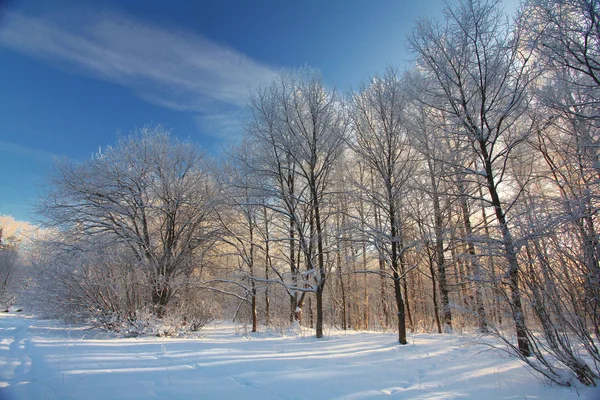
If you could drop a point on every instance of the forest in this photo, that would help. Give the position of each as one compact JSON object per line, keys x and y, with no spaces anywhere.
{"x":458,"y":196}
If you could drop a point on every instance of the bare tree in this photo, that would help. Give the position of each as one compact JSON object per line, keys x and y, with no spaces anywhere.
{"x":566,"y":37}
{"x":313,"y":117}
{"x":481,"y":76}
{"x":240,"y":222}
{"x":430,"y":146}
{"x":300,"y":127}
{"x":380,"y":140}
{"x":150,"y":193}
{"x":277,"y":178}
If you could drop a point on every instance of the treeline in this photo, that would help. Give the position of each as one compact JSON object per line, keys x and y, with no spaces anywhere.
{"x":460,"y":195}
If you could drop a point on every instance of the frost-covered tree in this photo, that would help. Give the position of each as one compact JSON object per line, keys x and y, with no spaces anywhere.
{"x":277,"y":177}
{"x":302,"y":128}
{"x":480,"y":79}
{"x":241,"y":225}
{"x":380,"y":140}
{"x":150,"y":193}
{"x":314,"y":120}
{"x":565,"y":36}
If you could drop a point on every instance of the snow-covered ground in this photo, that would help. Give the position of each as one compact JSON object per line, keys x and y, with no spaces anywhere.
{"x":42,"y":359}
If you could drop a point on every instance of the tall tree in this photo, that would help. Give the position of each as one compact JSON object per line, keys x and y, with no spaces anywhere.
{"x":426,"y":141}
{"x":277,"y":169}
{"x":240,"y":223}
{"x":302,"y":125}
{"x":313,"y":117}
{"x":380,"y":141}
{"x":481,"y":77}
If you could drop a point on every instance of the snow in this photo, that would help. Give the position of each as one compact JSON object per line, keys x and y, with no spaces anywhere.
{"x":42,"y":359}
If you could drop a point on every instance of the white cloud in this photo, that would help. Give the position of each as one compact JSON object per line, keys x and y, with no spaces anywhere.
{"x":169,"y":67}
{"x":227,"y":125}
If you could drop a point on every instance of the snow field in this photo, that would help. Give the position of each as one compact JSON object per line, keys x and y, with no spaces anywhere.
{"x":41,"y":359}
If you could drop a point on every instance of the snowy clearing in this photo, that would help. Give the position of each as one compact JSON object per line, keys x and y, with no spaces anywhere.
{"x":41,"y":359}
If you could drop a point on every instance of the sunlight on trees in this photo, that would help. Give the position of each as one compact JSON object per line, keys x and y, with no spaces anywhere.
{"x":461,"y":195}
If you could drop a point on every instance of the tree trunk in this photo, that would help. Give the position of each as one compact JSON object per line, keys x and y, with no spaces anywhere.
{"x":439,"y":249}
{"x":294,"y":315}
{"x":434,"y":296}
{"x":254,"y":310}
{"x":475,"y":264}
{"x":495,"y":285}
{"x":341,"y":280}
{"x":511,"y":258}
{"x":365,"y":303}
{"x":396,"y":274}
{"x":406,"y":299}
{"x":382,"y":284}
{"x":251,"y":226}
{"x":161,"y":293}
{"x":400,"y":308}
{"x":267,"y":268}
{"x":321,"y":273}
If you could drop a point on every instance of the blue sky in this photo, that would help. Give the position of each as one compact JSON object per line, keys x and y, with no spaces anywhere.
{"x":73,"y":74}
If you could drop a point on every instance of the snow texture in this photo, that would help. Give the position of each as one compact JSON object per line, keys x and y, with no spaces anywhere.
{"x":41,"y":359}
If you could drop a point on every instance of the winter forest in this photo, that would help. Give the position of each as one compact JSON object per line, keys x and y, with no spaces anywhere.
{"x":458,"y":197}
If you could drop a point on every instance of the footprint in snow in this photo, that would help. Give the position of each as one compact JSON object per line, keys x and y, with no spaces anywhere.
{"x":243,"y":381}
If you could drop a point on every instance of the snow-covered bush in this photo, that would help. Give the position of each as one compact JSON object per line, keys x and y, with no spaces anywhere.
{"x":104,"y":286}
{"x":177,"y":322}
{"x":196,"y":314}
{"x":79,"y":281}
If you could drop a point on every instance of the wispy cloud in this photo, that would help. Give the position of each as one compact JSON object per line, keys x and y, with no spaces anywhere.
{"x":26,"y":153}
{"x":172,"y":68}
{"x":227,"y":125}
